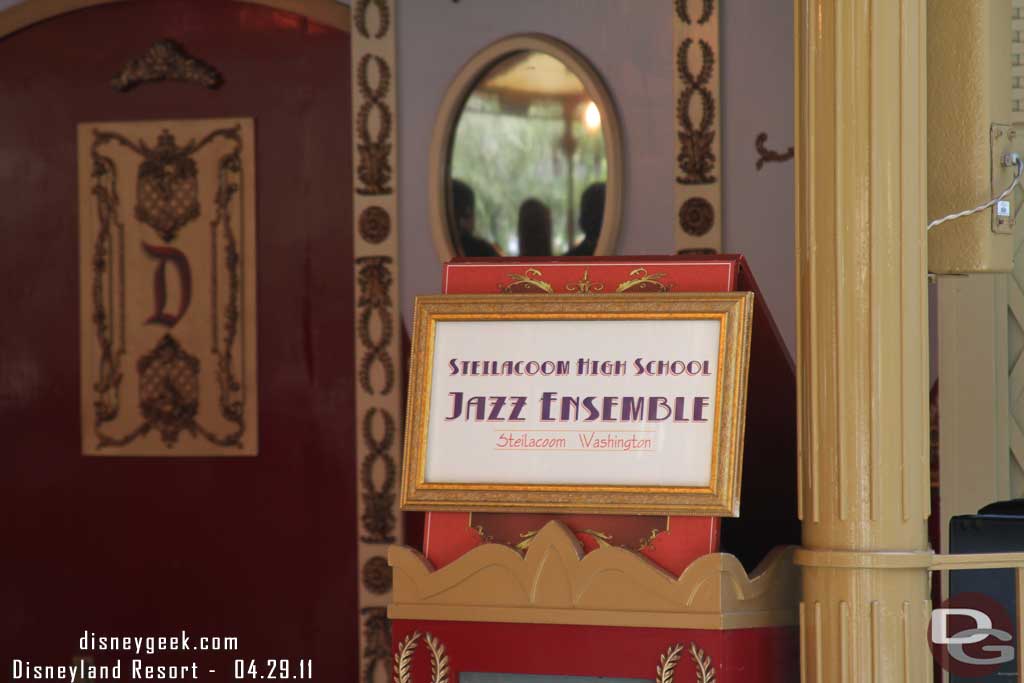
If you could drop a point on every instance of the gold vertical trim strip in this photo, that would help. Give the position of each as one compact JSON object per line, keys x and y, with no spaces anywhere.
{"x":923,"y":648}
{"x":876,"y":641}
{"x":825,"y":277}
{"x":907,"y":644}
{"x":697,"y":145}
{"x":837,"y":273}
{"x":799,"y":164}
{"x":800,"y":482}
{"x":377,"y":328}
{"x":844,"y":641}
{"x":824,"y":314}
{"x":803,"y":642}
{"x":914,"y":258}
{"x":918,"y":69}
{"x":902,"y":446}
{"x":818,"y":655}
{"x":881,"y":246}
{"x":901,"y":258}
{"x":884,"y":247}
{"x":808,"y":350}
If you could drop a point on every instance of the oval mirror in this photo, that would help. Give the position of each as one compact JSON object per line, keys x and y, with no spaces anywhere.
{"x":527,"y":156}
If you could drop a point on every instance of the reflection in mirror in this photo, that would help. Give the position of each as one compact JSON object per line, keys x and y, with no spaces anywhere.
{"x":527,"y":164}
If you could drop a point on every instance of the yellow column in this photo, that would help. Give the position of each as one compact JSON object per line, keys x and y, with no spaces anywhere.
{"x":862,"y":339}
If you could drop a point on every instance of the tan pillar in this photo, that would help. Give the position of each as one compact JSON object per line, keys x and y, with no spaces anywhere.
{"x":862,"y":339}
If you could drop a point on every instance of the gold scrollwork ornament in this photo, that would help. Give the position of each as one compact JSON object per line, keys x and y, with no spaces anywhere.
{"x":526,"y":282}
{"x":527,"y":537}
{"x":666,"y":670}
{"x":765,"y":155}
{"x":602,"y":539}
{"x":641,"y":278}
{"x":648,"y":541}
{"x":585,"y":285}
{"x":439,"y":669}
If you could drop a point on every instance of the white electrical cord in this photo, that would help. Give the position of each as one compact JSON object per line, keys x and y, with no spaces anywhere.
{"x":1010,"y":159}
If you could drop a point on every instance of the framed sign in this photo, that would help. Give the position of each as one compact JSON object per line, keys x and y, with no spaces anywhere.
{"x":626,"y":404}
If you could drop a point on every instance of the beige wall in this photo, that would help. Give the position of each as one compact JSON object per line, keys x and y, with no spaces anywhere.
{"x":630,"y":44}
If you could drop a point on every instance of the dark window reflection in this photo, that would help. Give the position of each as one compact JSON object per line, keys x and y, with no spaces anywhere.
{"x":528,"y":164}
{"x":534,"y":230}
{"x":464,"y":217}
{"x":591,"y":217}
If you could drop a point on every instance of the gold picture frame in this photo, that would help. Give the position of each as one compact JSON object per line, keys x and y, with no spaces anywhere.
{"x":719,"y":496}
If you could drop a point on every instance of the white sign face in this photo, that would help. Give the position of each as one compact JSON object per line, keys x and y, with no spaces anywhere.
{"x":613,"y":404}
{"x":594,"y":402}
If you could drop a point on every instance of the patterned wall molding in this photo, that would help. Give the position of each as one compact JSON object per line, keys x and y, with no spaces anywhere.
{"x":698,"y":170}
{"x":377,"y":323}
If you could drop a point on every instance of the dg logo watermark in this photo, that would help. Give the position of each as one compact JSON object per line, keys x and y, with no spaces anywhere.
{"x":971,"y":636}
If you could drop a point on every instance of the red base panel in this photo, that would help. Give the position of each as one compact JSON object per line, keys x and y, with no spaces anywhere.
{"x":756,"y":655}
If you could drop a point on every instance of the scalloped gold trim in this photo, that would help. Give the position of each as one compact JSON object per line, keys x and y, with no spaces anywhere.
{"x":553,"y":582}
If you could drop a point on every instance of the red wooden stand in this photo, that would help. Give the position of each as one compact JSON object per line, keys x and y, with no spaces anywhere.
{"x":768,"y":497}
{"x":586,"y":639}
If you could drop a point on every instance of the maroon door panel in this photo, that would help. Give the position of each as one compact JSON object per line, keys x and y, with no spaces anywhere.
{"x":261,"y":548}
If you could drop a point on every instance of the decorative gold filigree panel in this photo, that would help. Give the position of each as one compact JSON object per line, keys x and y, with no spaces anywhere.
{"x":167,"y":246}
{"x":377,"y":325}
{"x":698,"y":173}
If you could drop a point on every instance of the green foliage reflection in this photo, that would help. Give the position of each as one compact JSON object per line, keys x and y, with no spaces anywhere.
{"x":507,"y":157}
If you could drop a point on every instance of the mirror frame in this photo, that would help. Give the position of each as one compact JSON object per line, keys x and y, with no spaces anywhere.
{"x":451,"y":108}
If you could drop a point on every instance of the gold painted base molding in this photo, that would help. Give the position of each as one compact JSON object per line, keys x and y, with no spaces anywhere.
{"x":554,"y":583}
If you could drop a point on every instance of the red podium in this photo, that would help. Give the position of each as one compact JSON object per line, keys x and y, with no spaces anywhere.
{"x":620,"y":596}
